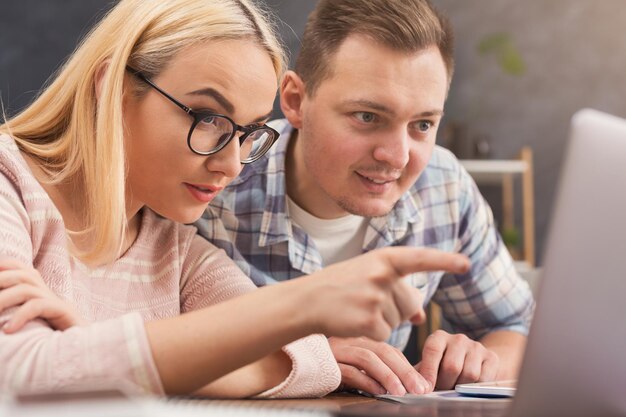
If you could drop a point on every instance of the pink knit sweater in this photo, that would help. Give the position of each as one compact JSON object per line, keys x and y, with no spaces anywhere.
{"x":169,"y":270}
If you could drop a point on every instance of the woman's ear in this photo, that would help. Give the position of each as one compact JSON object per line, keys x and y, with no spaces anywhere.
{"x":292,"y":94}
{"x":99,"y":78}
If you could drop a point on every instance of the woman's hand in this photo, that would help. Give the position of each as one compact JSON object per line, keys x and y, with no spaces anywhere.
{"x":365,"y":296}
{"x":22,"y":287}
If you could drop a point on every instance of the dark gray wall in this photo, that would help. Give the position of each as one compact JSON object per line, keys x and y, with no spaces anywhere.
{"x":35,"y":37}
{"x":572,"y":51}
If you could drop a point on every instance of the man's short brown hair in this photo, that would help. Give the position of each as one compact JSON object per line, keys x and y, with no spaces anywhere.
{"x":403,"y":25}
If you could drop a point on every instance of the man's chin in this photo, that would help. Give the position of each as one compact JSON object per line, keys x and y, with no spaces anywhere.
{"x":367,"y":208}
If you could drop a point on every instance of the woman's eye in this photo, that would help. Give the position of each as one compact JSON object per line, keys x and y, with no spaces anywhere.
{"x":365,"y":117}
{"x":209,"y":120}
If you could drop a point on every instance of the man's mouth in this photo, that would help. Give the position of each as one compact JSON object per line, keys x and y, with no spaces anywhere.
{"x":379,"y":179}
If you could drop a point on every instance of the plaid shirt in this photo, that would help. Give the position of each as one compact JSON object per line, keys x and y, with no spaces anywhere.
{"x":442,"y":210}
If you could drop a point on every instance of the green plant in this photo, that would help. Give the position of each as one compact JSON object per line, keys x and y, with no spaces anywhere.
{"x":511,"y":237}
{"x":508,"y":57}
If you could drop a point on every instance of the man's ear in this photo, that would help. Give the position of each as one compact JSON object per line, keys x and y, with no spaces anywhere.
{"x":292,"y":93}
{"x":99,"y":78}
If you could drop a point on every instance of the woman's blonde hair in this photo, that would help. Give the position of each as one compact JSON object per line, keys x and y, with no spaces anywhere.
{"x":75,"y":137}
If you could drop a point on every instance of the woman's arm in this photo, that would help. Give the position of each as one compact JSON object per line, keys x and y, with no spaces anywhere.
{"x":363,"y":296}
{"x":303,"y":368}
{"x":251,"y":379}
{"x":360,"y":297}
{"x":203,"y":345}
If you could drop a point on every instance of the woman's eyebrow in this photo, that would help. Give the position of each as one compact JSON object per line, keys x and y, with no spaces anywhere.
{"x":262,"y":118}
{"x":225,"y":103}
{"x":217,"y":96}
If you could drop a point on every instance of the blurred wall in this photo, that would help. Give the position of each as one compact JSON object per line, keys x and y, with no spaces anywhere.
{"x":574,"y":56}
{"x":571,"y":56}
{"x":35,"y":38}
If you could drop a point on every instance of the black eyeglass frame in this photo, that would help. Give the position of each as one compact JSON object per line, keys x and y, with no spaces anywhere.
{"x":199,"y":116}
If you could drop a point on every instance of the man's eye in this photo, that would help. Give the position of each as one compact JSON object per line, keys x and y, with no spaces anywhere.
{"x":423,"y":126}
{"x":365,"y":117}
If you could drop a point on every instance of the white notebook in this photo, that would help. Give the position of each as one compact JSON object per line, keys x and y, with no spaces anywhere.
{"x":113,"y":403}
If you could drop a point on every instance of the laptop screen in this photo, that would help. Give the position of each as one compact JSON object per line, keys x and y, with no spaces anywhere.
{"x":574,"y":363}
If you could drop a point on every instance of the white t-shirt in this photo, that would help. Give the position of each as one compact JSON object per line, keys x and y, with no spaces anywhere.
{"x":336,"y":239}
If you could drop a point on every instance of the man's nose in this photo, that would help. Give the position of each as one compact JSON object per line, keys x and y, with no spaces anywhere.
{"x":393,"y":149}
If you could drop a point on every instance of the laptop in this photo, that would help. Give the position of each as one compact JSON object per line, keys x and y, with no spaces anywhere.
{"x":575,"y":360}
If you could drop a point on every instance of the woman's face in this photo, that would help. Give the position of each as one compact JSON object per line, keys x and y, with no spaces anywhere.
{"x":231,"y":77}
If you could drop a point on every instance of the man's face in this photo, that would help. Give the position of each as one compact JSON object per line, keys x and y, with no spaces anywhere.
{"x":368,"y":131}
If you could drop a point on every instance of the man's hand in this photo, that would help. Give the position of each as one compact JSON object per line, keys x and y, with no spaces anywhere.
{"x":376,"y":367}
{"x":450,"y":359}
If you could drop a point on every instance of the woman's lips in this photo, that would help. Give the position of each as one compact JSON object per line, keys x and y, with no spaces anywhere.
{"x":203,"y":193}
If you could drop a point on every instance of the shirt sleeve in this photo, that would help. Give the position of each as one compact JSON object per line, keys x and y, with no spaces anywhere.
{"x":491,"y":296}
{"x":113,"y":353}
{"x":210,"y":277}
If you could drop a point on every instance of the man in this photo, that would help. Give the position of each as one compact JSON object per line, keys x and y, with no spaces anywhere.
{"x":357,"y":168}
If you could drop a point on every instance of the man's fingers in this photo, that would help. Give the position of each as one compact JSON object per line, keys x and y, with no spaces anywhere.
{"x":490,"y":366}
{"x":472,"y":368}
{"x":395,"y":360}
{"x":374,"y":367}
{"x":407,"y":260}
{"x":412,"y":381}
{"x":432,"y":354}
{"x":353,"y":378}
{"x":451,"y":366}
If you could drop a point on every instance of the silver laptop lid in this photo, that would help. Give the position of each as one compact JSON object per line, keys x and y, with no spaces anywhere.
{"x":575,"y":361}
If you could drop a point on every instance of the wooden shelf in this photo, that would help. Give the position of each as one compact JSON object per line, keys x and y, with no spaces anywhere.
{"x":493,"y":171}
{"x":502,"y":172}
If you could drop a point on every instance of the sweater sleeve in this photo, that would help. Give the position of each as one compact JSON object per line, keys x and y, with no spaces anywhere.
{"x":210,"y":277}
{"x":110,"y":353}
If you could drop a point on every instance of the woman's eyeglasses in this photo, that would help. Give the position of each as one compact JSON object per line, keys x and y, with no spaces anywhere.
{"x":211,"y":132}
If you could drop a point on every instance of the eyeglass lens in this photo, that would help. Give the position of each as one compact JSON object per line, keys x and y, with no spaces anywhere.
{"x":213,"y":131}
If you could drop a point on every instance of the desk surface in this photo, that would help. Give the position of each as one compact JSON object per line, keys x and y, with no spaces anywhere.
{"x":342,"y":405}
{"x":350,"y":405}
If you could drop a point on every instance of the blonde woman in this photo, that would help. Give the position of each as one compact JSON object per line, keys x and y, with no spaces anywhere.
{"x":100,"y":280}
